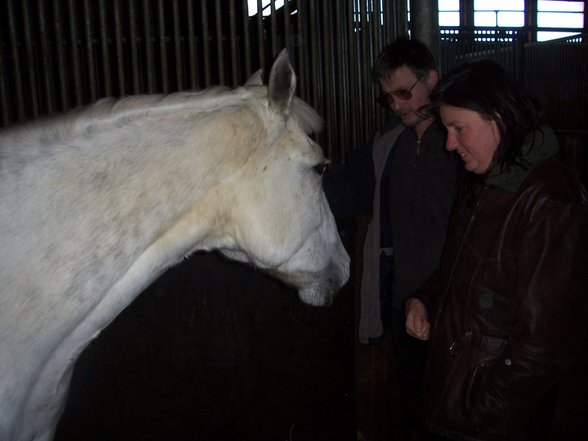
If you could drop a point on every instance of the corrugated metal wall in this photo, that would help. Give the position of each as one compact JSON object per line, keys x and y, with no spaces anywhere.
{"x":58,"y":54}
{"x":554,"y":71}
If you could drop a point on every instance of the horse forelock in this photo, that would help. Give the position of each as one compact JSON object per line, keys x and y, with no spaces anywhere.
{"x":308,"y":119}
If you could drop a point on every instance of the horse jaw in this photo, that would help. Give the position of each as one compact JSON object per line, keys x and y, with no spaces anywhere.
{"x":318,"y":288}
{"x":314,"y":288}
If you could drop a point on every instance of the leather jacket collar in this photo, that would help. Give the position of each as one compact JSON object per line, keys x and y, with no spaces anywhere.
{"x":539,"y":146}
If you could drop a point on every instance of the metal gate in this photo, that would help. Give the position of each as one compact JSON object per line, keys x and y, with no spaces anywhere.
{"x":59,"y":54}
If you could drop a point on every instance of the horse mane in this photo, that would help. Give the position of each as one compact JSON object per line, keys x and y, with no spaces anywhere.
{"x":113,"y":111}
{"x":205,"y":99}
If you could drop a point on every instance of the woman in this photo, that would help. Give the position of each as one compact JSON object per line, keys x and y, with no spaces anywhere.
{"x":506,"y":311}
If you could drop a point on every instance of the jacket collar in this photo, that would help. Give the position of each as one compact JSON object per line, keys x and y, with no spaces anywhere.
{"x":538,"y":146}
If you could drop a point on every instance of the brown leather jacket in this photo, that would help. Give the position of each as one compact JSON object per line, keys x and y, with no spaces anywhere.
{"x":508,"y":306}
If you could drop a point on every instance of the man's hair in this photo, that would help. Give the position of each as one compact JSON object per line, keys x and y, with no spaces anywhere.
{"x":403,"y":52}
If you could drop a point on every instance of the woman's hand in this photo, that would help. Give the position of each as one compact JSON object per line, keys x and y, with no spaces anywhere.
{"x":417,"y":319}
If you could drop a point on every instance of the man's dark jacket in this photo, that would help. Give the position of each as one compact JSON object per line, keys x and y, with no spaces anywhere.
{"x":408,"y":185}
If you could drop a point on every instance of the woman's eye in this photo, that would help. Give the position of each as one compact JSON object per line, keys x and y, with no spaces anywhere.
{"x":320,"y":168}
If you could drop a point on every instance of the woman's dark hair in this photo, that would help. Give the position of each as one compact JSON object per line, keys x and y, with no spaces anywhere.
{"x":488,"y":89}
{"x":403,"y":52}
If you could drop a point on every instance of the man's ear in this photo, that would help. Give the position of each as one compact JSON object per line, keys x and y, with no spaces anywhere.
{"x":431,"y":79}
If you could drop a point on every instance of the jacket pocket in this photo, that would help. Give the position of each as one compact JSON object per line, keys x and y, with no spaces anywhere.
{"x":488,"y":351}
{"x":474,"y":357}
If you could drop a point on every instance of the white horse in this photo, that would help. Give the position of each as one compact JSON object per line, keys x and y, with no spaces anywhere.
{"x":96,"y":204}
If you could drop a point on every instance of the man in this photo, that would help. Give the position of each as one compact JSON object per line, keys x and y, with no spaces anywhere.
{"x":405,"y":180}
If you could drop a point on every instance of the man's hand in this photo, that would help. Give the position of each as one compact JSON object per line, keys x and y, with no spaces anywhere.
{"x":417,"y":319}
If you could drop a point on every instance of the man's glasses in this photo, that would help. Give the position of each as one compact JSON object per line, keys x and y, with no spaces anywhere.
{"x":387,"y":99}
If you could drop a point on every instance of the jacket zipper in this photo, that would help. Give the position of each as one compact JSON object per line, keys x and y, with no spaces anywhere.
{"x":452,"y":273}
{"x":458,"y":255}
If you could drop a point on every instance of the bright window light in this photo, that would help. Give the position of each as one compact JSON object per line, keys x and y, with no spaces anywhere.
{"x":265,"y":6}
{"x":501,"y":13}
{"x":485,"y":19}
{"x":499,"y":5}
{"x":552,"y":35}
{"x":511,"y":19}
{"x":448,"y":18}
{"x":551,"y":5}
{"x":448,"y":12}
{"x":560,"y":20}
{"x":448,"y":5}
{"x":558,"y":14}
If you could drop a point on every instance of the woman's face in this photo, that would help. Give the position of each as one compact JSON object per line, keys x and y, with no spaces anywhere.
{"x":474,"y":137}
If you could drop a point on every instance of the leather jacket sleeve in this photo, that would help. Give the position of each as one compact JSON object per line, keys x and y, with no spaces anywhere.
{"x":551,"y":269}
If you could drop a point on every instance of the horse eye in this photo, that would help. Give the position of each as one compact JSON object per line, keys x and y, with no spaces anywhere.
{"x":320,"y":168}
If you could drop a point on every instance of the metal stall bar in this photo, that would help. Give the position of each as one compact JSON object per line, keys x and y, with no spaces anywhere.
{"x":62,"y":65}
{"x":105,"y":50}
{"x":288,"y":40}
{"x":90,"y":61}
{"x":31,"y":65}
{"x":274,"y":29}
{"x":133,"y":44}
{"x":364,"y":80}
{"x":163,"y":48}
{"x":5,"y":113}
{"x":47,"y":72}
{"x":260,"y":34}
{"x":354,"y":94}
{"x":192,"y":52}
{"x":329,"y":73}
{"x":247,"y":39}
{"x":205,"y":42}
{"x":150,"y":70}
{"x":120,"y":57}
{"x":16,"y":71}
{"x":219,"y":42}
{"x":303,"y":89}
{"x":75,"y":53}
{"x":235,"y":80}
{"x":315,"y":55}
{"x":342,"y":89}
{"x":178,"y":47}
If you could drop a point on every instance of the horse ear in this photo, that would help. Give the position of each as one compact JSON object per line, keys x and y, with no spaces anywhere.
{"x":282,"y":83}
{"x":256,"y":79}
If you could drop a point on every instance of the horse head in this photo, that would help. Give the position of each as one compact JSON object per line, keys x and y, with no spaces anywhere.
{"x":282,"y":220}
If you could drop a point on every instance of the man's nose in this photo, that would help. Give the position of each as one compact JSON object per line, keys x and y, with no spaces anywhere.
{"x":393,"y":103}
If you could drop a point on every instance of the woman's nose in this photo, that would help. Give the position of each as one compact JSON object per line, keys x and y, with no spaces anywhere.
{"x":451,"y":142}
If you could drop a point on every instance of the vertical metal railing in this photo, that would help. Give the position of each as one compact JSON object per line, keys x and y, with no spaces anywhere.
{"x":59,"y":54}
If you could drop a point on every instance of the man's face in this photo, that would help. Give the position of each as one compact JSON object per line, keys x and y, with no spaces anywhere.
{"x":401,"y":80}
